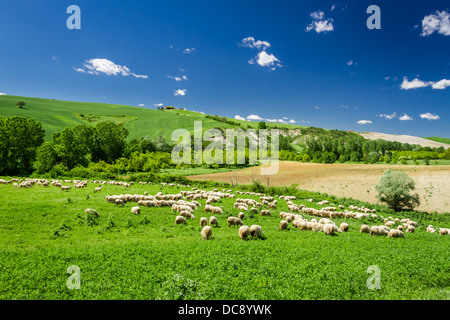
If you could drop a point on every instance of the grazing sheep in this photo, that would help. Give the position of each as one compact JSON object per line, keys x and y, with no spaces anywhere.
{"x":389,"y":223}
{"x":206,"y":232}
{"x":213,"y":221}
{"x":410,"y":229}
{"x":217,"y":210}
{"x":378,"y":231}
{"x":344,"y":227}
{"x":283,"y":224}
{"x":65,"y":188}
{"x":288,"y":219}
{"x":233,"y":221}
{"x":396,"y":234}
{"x":241,"y":215}
{"x":443,"y":231}
{"x":244,"y":232}
{"x":364,"y":229}
{"x":400,"y":228}
{"x":329,"y":229}
{"x":180,"y":220}
{"x":203,"y":221}
{"x":255,"y":231}
{"x":265,"y":213}
{"x":119,"y":202}
{"x":97,"y":189}
{"x":93,"y":211}
{"x":317,"y":227}
{"x":136,"y":210}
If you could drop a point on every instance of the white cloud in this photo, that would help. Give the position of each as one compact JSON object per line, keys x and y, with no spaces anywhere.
{"x":364,"y":122}
{"x":429,"y":116}
{"x":387,"y":116}
{"x":414,"y":84}
{"x":317,"y":108}
{"x":292,"y":121}
{"x":333,"y":7}
{"x":319,"y":23}
{"x":107,"y":67}
{"x":238,"y":117}
{"x":2,"y":94}
{"x":189,"y":50}
{"x":141,"y":105}
{"x":178,"y":79}
{"x":158,"y":104}
{"x":266,"y":60}
{"x":405,"y":117}
{"x":180,"y":92}
{"x":254,"y":117}
{"x":438,"y":22}
{"x":442,"y":84}
{"x":250,"y":42}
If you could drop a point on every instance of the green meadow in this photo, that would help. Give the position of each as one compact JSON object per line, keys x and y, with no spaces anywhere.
{"x":43,"y":231}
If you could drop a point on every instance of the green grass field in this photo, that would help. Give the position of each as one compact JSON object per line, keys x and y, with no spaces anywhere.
{"x":123,"y":256}
{"x":439,"y":139}
{"x":56,"y":115}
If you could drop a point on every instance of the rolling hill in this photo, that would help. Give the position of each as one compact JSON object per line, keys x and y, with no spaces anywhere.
{"x":55,"y":115}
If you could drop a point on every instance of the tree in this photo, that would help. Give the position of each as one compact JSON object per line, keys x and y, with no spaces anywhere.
{"x":262,"y":125}
{"x":109,"y":141}
{"x":394,"y":189}
{"x":19,"y":139}
{"x":20,"y":104}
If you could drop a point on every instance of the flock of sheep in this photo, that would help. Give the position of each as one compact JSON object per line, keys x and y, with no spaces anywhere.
{"x":185,"y":203}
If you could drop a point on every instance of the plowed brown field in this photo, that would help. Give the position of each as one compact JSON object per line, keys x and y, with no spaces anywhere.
{"x":349,"y":180}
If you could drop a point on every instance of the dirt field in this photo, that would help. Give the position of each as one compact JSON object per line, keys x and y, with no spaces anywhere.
{"x":350,"y":180}
{"x":403,"y":139}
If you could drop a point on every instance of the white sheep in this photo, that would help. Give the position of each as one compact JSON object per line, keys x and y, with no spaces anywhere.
{"x":443,"y":231}
{"x":233,"y":221}
{"x":344,"y":227}
{"x":213,"y":221}
{"x":255,"y":231}
{"x":244,"y":232}
{"x":180,"y":220}
{"x":265,"y":213}
{"x":364,"y":229}
{"x":93,"y":211}
{"x":330,"y":229}
{"x":241,"y":215}
{"x":283,"y":224}
{"x":136,"y":210}
{"x":203,"y":221}
{"x":410,"y":229}
{"x":206,"y":232}
{"x":395,"y":233}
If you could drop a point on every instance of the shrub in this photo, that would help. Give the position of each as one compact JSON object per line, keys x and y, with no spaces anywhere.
{"x":394,"y":189}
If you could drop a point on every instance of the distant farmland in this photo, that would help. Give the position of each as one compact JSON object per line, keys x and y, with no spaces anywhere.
{"x":350,"y":180}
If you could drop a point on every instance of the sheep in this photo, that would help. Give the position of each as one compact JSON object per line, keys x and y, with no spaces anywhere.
{"x":326,"y":221}
{"x":98,"y":189}
{"x":283,"y":224}
{"x":65,"y":188}
{"x":400,"y":228}
{"x":344,"y":227}
{"x":317,"y":227}
{"x":206,"y":232}
{"x":289,"y":219}
{"x":378,"y":231}
{"x":187,"y":214}
{"x":389,"y":223}
{"x":213,"y":221}
{"x":244,"y":232}
{"x":217,"y":210}
{"x":364,"y":229}
{"x":119,"y":202}
{"x":203,"y":221}
{"x":233,"y":221}
{"x":180,"y":220}
{"x":410,"y":229}
{"x":255,"y":231}
{"x":136,"y":210}
{"x":443,"y":231}
{"x":265,"y":213}
{"x":329,"y":229}
{"x":395,"y":233}
{"x":93,"y":211}
{"x":241,"y":215}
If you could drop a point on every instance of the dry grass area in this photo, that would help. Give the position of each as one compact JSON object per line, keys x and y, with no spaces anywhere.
{"x":349,"y":180}
{"x":403,"y":139}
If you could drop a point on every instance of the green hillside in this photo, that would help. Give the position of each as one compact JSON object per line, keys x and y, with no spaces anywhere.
{"x":55,"y":115}
{"x":439,"y":139}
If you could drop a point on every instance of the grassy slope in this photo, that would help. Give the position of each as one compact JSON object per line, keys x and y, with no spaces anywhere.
{"x":141,"y":261}
{"x":439,"y":139}
{"x":55,"y":115}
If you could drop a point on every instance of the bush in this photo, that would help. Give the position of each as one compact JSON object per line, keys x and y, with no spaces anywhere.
{"x":394,"y":189}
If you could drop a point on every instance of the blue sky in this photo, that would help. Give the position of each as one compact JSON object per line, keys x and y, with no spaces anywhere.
{"x":330,"y":70}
